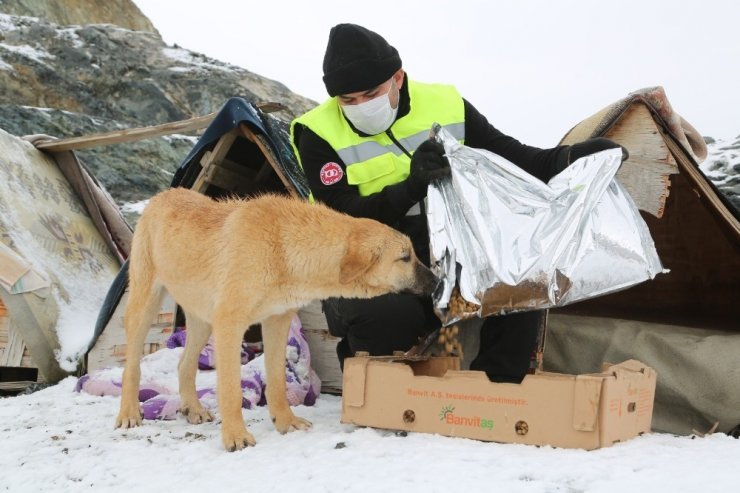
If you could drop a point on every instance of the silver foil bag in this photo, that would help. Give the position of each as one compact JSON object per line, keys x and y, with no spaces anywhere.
{"x":504,"y":241}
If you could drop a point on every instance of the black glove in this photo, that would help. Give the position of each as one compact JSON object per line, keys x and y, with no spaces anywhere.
{"x":591,"y":146}
{"x":427,"y":163}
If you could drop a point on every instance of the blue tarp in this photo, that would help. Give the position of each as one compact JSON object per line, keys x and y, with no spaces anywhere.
{"x":236,"y":111}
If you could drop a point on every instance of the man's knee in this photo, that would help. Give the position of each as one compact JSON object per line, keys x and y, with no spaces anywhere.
{"x":379,"y":325}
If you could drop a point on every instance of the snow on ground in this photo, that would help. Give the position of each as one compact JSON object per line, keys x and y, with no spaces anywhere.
{"x":134,"y":207}
{"x":57,"y":440}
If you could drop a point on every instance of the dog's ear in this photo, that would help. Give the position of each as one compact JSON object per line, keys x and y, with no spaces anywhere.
{"x":360,"y":256}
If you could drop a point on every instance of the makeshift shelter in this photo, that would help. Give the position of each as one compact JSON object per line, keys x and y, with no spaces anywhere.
{"x":243,"y":152}
{"x":62,"y":239}
{"x":684,"y":324}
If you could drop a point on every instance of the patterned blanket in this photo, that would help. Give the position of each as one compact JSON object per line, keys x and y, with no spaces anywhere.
{"x":158,"y":391}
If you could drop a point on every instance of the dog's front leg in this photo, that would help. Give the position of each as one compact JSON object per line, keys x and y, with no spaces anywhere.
{"x":227,"y":338}
{"x":275,"y":338}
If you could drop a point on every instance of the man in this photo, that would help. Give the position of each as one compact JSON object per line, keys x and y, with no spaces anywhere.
{"x":365,"y":152}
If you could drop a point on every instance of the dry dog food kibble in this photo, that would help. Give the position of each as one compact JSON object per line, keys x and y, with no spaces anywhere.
{"x":459,"y":308}
{"x":448,"y":340}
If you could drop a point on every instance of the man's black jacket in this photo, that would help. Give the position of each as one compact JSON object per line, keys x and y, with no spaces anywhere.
{"x":391,"y":205}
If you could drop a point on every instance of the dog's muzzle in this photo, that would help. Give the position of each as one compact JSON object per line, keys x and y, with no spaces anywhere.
{"x":425,"y":280}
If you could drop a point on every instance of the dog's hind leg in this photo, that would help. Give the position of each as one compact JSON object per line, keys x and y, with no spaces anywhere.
{"x":275,"y":338}
{"x":197,"y":336}
{"x":228,"y":333}
{"x":143,"y":304}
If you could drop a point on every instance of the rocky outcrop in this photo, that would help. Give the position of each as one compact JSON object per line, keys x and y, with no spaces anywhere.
{"x":722,"y":166}
{"x":123,"y":13}
{"x":71,"y":80}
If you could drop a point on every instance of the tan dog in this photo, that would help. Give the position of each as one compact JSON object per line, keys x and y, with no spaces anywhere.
{"x":233,"y":263}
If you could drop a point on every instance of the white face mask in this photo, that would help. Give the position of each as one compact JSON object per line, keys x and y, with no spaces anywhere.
{"x":374,"y":116}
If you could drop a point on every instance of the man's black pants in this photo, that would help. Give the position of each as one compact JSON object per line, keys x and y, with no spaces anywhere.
{"x":395,"y":322}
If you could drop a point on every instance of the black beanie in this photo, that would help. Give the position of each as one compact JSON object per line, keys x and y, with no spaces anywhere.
{"x":357,"y":59}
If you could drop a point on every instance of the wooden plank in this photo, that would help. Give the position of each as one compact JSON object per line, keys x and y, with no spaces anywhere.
{"x":140,"y":133}
{"x":127,"y":135}
{"x":227,"y":179}
{"x":267,"y":152}
{"x":200,"y":183}
{"x":270,"y":106}
{"x":26,"y":359}
{"x":264,"y":171}
{"x":646,"y":173}
{"x":221,"y":149}
{"x":14,"y":348}
{"x":236,"y":167}
{"x":704,"y":190}
{"x":213,"y":158}
{"x":15,"y":386}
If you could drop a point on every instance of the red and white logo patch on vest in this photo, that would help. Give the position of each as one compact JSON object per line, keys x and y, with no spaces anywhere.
{"x":331,"y":173}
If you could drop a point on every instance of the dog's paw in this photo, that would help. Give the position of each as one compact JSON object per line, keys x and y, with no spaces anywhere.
{"x":129,"y":418}
{"x":196,"y":414}
{"x":289,"y":422}
{"x":237,"y":440}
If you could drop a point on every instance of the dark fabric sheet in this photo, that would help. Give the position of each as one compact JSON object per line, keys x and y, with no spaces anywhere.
{"x":235,"y":111}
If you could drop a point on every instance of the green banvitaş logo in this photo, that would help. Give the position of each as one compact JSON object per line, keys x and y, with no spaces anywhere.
{"x":445,"y":411}
{"x":447,"y":414}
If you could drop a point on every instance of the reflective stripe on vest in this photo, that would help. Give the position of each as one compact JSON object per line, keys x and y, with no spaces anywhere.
{"x":368,"y":150}
{"x":374,"y":162}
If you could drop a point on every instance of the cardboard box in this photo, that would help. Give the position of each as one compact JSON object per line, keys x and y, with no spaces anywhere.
{"x":431,"y":395}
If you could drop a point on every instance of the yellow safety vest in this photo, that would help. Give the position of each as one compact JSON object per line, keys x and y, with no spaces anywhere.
{"x":374,"y":162}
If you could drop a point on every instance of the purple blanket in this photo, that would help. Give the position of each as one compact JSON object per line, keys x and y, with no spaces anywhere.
{"x":158,"y":391}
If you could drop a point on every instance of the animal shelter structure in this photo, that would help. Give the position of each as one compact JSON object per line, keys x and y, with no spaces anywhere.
{"x":61,"y":238}
{"x":682,"y":323}
{"x":244,"y":151}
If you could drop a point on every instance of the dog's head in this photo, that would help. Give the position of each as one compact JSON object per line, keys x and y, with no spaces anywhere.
{"x":380,"y":260}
